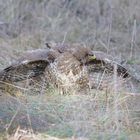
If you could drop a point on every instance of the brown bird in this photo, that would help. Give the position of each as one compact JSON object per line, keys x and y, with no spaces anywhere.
{"x":65,"y":67}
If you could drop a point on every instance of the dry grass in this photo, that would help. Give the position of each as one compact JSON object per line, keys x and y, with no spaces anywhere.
{"x":110,"y":26}
{"x":93,"y":116}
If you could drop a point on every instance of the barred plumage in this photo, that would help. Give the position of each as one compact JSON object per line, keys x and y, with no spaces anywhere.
{"x":67,"y":73}
{"x":66,"y":67}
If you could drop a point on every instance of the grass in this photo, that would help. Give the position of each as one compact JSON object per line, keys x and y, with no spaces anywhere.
{"x":99,"y":115}
{"x":112,"y":27}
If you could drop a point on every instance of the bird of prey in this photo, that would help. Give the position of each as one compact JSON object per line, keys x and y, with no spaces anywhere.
{"x":64,"y":66}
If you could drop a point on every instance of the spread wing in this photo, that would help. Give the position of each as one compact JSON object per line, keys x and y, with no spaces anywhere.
{"x":104,"y":68}
{"x":15,"y":73}
{"x":101,"y":61}
{"x":31,"y":64}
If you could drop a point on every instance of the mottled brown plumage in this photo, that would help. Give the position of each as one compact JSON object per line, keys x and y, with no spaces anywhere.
{"x":30,"y":64}
{"x":67,"y":73}
{"x":66,"y":67}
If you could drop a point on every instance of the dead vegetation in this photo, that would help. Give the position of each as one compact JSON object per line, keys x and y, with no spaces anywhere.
{"x":42,"y":113}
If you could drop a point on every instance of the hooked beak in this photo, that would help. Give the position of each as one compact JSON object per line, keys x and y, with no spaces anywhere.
{"x":91,"y":57}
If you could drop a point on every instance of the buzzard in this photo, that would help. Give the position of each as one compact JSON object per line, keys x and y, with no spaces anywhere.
{"x":65,"y":67}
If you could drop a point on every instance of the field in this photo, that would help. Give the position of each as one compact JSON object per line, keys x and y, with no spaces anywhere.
{"x":40,"y":113}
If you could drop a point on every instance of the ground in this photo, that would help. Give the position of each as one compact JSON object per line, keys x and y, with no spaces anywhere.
{"x":109,"y":26}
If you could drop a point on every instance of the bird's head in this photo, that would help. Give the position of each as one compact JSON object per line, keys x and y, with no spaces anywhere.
{"x":91,"y":57}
